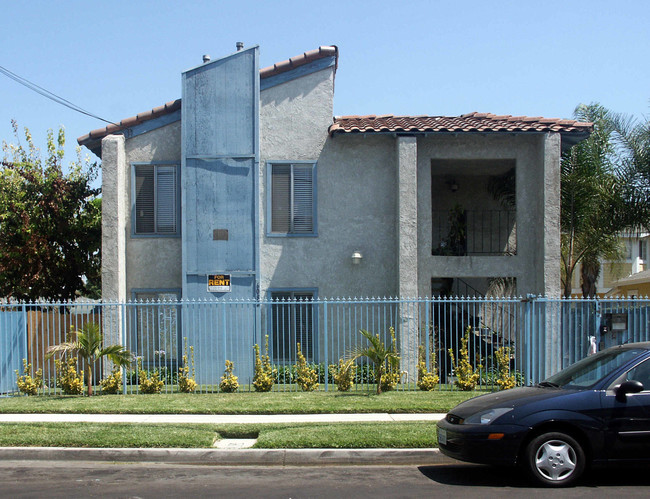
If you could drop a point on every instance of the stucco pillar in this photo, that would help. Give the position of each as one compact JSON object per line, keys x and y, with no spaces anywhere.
{"x":551,"y":225}
{"x":551,"y":251}
{"x":407,"y":251}
{"x":114,"y":217}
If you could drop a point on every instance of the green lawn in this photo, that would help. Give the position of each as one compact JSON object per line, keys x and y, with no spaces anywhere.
{"x":270,"y":436}
{"x":241,"y":403}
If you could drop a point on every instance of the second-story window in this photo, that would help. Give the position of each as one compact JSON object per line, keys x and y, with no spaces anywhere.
{"x":292,"y":199}
{"x":155,"y":203}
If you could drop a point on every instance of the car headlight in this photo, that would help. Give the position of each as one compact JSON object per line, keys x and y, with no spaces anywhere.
{"x":488,"y":416}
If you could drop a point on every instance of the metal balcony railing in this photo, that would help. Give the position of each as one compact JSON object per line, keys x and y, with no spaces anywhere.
{"x":474,"y":232}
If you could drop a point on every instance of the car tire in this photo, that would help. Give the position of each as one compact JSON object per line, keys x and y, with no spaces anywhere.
{"x":554,"y":459}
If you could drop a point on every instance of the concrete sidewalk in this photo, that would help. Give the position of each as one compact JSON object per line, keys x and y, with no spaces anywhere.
{"x":216,"y":418}
{"x":227,"y":457}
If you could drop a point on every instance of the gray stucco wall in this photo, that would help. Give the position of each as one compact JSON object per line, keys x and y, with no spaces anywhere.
{"x":152,"y":262}
{"x":355,"y":196}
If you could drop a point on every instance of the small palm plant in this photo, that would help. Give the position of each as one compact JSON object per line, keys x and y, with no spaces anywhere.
{"x":385,"y":358}
{"x":89,"y":346}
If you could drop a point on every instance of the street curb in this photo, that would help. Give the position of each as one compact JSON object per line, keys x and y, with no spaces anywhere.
{"x":228,"y":457}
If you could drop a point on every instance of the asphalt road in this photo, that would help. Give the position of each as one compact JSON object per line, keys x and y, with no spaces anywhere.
{"x":20,"y":479}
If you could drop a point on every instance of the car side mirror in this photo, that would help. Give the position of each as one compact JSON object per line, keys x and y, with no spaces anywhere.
{"x":627,"y":387}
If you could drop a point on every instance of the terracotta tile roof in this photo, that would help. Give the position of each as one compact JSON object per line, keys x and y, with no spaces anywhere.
{"x":472,"y":122}
{"x":300,"y":60}
{"x":156,"y":112}
{"x":91,"y":139}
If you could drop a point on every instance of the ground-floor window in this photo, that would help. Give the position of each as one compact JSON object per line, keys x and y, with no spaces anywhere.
{"x":292,"y":322}
{"x":156,"y":327}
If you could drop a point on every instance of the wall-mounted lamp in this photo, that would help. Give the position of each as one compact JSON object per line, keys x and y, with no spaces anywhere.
{"x":453,"y":186}
{"x":357,"y":257}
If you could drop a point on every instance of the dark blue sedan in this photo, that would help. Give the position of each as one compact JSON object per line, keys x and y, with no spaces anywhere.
{"x":596,"y":411}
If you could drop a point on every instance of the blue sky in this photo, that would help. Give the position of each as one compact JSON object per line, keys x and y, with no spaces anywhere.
{"x":119,"y":58}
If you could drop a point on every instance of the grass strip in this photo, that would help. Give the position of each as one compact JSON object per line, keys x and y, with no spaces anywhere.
{"x":240,"y":403}
{"x":270,"y":436}
{"x":105,"y":435}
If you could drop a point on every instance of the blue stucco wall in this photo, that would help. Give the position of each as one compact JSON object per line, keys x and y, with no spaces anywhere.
{"x":220,"y":164}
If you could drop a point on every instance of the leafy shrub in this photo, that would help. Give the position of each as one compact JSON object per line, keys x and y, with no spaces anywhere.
{"x":26,"y":383}
{"x":427,"y":380}
{"x":167,"y":375}
{"x":505,"y":380}
{"x":149,"y":381}
{"x":229,"y":383}
{"x":68,"y":377}
{"x":187,"y":383}
{"x":112,"y":384}
{"x":306,"y":376}
{"x":364,"y":374}
{"x":466,"y":378}
{"x":264,"y":375}
{"x":286,"y":373}
{"x":343,"y":374}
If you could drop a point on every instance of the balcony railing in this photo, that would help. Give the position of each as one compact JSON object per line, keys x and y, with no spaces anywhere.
{"x":474,"y":232}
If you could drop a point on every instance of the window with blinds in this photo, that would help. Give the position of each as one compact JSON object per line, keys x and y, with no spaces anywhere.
{"x":292,"y":316}
{"x":156,"y":199}
{"x":292,"y":199}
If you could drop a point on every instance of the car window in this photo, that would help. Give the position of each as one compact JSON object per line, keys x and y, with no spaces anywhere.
{"x":641,"y":373}
{"x":588,"y":371}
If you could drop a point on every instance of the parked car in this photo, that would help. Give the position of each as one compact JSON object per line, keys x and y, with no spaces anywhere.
{"x":595,"y":412}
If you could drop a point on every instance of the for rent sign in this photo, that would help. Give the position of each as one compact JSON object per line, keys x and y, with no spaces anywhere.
{"x":218,"y":283}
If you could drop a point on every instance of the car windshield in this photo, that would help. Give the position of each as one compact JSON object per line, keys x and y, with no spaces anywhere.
{"x":587,"y":372}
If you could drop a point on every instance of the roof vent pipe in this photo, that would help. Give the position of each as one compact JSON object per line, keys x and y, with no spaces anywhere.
{"x":240,"y":46}
{"x":206,"y":58}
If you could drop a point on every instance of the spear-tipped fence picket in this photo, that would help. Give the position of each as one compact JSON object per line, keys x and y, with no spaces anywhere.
{"x":544,"y":335}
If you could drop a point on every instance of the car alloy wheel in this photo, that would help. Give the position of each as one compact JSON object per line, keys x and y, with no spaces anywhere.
{"x":555,"y":459}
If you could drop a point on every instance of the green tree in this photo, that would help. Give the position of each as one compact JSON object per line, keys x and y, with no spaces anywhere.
{"x":384,"y":357}
{"x":50,"y":222}
{"x":89,"y":345}
{"x":598,"y":201}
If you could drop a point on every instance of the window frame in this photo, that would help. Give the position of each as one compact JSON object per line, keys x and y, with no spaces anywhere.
{"x":155,"y":234}
{"x":314,"y":354}
{"x":135,"y":337}
{"x":269,"y":198}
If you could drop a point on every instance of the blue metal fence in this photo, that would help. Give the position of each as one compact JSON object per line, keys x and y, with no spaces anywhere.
{"x":543,"y":335}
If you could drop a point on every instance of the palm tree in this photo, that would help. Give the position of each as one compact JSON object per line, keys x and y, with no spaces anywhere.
{"x":89,"y":346}
{"x":597,"y":202}
{"x":382,"y":356}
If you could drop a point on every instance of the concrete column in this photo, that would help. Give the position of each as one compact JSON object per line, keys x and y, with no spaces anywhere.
{"x":407,"y":216}
{"x":115,"y":197}
{"x":551,"y":278}
{"x":407,"y":251}
{"x":114,"y":217}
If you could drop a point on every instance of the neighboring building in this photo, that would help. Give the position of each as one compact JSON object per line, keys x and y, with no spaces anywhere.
{"x":250,"y":177}
{"x":612,"y":273}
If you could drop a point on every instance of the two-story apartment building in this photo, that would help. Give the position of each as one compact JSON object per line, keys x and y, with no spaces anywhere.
{"x":247,"y":187}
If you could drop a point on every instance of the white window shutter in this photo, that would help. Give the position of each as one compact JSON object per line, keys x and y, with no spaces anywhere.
{"x":166,"y":201}
{"x":144,"y":199}
{"x":281,"y":198}
{"x":303,"y":199}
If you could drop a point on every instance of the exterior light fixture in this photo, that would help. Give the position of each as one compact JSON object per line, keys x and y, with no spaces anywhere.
{"x":357,"y":257}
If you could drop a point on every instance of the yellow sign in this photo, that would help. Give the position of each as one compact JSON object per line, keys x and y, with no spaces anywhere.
{"x":218,"y":283}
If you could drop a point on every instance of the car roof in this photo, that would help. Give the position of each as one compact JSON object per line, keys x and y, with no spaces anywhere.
{"x":629,"y":346}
